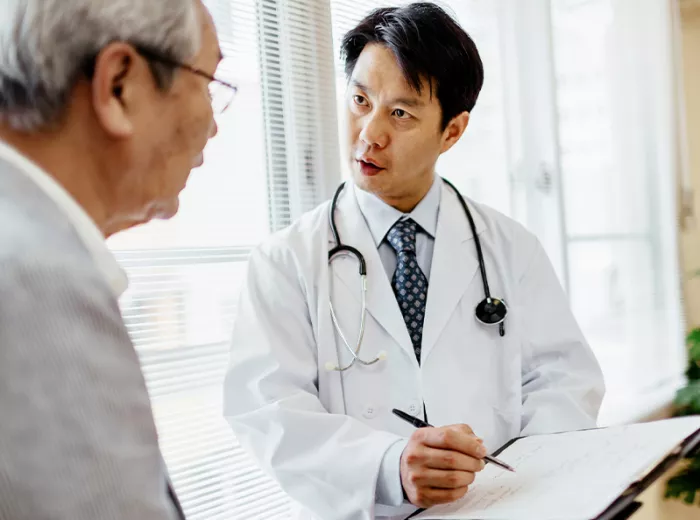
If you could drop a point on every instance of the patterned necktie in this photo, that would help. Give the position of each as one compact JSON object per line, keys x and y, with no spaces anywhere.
{"x":409,"y":283}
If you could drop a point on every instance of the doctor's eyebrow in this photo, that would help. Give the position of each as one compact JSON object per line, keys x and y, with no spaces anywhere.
{"x":407,"y":101}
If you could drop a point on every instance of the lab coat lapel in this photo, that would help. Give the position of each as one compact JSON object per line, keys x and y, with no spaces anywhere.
{"x":381,"y":302}
{"x":453,"y":269}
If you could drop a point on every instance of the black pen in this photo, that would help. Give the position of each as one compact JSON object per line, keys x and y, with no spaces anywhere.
{"x":418,"y":423}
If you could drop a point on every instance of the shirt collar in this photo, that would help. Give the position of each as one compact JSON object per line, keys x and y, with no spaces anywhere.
{"x":87,"y":230}
{"x":380,"y":217}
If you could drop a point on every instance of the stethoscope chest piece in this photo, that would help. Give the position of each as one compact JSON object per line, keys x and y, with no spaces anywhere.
{"x":491,"y":311}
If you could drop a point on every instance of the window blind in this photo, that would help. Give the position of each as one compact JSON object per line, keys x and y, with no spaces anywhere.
{"x":275,"y":156}
{"x":298,"y":99}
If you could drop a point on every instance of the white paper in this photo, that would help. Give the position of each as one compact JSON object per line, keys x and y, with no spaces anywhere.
{"x":566,"y":476}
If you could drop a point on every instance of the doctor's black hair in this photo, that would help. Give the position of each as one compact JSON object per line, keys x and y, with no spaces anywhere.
{"x":428,"y":44}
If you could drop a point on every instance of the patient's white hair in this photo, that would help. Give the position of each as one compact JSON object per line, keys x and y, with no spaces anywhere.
{"x":44,"y":45}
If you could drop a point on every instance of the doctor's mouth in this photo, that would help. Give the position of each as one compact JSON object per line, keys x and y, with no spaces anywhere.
{"x":369,"y":167}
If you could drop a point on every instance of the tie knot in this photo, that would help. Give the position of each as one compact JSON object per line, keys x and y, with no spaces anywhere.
{"x":402,"y":236}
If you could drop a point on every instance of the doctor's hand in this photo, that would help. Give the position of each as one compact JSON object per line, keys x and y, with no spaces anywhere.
{"x":439,"y":464}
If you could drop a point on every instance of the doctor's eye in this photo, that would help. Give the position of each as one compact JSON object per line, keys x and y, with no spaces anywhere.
{"x":401,"y":114}
{"x":359,"y":100}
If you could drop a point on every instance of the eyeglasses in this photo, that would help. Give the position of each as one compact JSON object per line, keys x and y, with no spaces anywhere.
{"x":221,"y":92}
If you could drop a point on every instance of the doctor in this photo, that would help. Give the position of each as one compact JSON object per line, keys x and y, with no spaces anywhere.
{"x":317,"y":419}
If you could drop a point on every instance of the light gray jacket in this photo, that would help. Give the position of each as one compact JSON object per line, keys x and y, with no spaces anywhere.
{"x":77,"y":437}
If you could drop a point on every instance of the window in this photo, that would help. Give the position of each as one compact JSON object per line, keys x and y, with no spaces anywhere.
{"x":275,"y":157}
{"x":478,"y":163}
{"x":570,"y":136}
{"x":614,"y":98}
{"x":184,"y":279}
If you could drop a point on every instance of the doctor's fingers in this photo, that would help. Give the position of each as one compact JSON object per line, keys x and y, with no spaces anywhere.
{"x":428,"y":497}
{"x":441,"y":479}
{"x":449,"y":460}
{"x":457,"y":438}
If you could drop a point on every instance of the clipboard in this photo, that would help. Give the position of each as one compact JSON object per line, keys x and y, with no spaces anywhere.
{"x":627,"y":500}
{"x":626,"y":503}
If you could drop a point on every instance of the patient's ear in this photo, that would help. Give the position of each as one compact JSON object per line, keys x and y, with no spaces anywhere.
{"x":117,"y":82}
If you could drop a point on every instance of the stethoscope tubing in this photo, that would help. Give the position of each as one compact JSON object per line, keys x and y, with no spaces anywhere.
{"x":340,"y":248}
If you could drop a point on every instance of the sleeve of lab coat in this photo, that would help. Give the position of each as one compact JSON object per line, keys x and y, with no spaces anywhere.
{"x":562,"y":383}
{"x":329,"y":463}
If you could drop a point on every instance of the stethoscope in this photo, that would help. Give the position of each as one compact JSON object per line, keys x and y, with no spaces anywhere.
{"x":490,"y":311}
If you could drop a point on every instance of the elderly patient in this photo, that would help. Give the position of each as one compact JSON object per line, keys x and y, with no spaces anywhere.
{"x":104,"y":110}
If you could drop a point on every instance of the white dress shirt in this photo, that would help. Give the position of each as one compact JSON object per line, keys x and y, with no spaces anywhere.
{"x":86,"y":228}
{"x":380,"y":217}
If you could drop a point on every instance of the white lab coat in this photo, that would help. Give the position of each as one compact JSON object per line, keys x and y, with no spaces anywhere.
{"x":322,"y":435}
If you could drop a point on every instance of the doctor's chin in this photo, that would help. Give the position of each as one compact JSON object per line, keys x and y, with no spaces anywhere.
{"x":341,"y":260}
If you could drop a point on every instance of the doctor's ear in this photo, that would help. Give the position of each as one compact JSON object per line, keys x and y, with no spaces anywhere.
{"x":454,"y":130}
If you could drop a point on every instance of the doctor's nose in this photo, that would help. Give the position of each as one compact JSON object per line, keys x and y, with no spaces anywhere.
{"x":213,"y":129}
{"x":373,"y":132}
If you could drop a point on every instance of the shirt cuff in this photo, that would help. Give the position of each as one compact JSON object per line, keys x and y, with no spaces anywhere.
{"x":389,"y":490}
